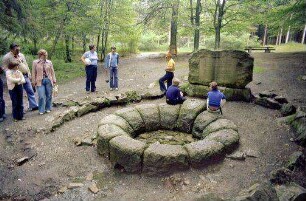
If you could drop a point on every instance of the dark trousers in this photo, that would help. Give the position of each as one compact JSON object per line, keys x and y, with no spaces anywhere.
{"x":91,"y":77}
{"x":113,"y":77}
{"x":175,"y":102}
{"x":168,"y":76}
{"x":2,"y":102}
{"x":16,"y":95}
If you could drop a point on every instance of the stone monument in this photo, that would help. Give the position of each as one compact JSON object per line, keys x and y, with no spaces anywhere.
{"x":231,"y":69}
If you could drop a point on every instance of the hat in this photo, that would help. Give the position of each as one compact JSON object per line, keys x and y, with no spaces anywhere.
{"x":175,"y":81}
{"x":13,"y":45}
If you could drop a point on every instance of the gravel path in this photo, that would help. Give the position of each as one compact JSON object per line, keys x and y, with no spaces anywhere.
{"x":56,"y":161}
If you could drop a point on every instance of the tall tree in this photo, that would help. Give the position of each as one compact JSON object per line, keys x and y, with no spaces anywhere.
{"x":173,"y":29}
{"x":197,"y":26}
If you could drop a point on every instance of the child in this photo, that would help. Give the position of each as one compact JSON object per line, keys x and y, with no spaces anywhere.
{"x":174,"y":95}
{"x":15,"y":79}
{"x":215,"y":99}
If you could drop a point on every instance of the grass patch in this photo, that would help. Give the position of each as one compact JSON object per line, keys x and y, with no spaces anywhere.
{"x":258,"y":69}
{"x":291,"y":47}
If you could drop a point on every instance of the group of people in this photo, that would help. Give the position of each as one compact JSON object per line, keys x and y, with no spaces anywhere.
{"x":90,"y":59}
{"x":19,"y":78}
{"x":215,"y":98}
{"x":43,"y":78}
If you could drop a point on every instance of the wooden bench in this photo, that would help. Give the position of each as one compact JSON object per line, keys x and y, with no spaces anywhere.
{"x":266,"y":49}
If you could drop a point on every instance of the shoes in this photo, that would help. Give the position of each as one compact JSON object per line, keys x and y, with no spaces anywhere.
{"x":95,"y":91}
{"x":111,"y":89}
{"x":41,"y":113}
{"x":48,"y":111}
{"x":88,"y":92}
{"x":33,"y":109}
{"x":116,"y":89}
{"x":23,"y":118}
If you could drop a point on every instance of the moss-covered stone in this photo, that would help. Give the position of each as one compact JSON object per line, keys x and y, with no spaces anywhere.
{"x":118,"y":121}
{"x":203,"y":120}
{"x":85,"y":109}
{"x":106,"y":132}
{"x":217,"y":125}
{"x":202,"y":151}
{"x":150,"y":116}
{"x":132,"y":116}
{"x":127,"y":153}
{"x":168,"y":115}
{"x":190,"y":109}
{"x":227,"y":137}
{"x":163,"y":158}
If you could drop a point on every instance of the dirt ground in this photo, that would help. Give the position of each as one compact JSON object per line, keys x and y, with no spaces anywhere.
{"x":56,"y":161}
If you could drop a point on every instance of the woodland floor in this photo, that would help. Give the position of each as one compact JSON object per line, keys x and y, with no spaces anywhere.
{"x":56,"y":160}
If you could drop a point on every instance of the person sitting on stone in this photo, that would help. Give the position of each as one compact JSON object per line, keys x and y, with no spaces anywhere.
{"x":215,"y":98}
{"x":174,"y":95}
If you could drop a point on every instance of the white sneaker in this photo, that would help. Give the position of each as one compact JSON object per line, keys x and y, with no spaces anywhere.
{"x":111,"y":89}
{"x":41,"y":113}
{"x":116,"y":89}
{"x":48,"y":111}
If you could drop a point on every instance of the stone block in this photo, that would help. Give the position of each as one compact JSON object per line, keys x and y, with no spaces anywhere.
{"x":106,"y":132}
{"x":203,"y":120}
{"x":227,"y":137}
{"x":168,"y":115}
{"x":118,"y":121}
{"x":229,"y":68}
{"x":202,"y":151}
{"x":190,"y":109}
{"x":127,"y":153}
{"x":132,"y":116}
{"x":164,"y":158}
{"x":217,"y":125}
{"x":150,"y":116}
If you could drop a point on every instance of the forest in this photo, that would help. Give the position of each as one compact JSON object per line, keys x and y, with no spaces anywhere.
{"x":65,"y":28}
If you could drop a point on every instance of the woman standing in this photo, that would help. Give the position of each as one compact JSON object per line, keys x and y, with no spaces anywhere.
{"x":43,"y":78}
{"x":90,"y":59}
{"x":169,"y":74}
{"x":15,"y":79}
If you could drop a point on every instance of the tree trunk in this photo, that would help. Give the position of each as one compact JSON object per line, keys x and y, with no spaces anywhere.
{"x":191,"y":12}
{"x":72,"y":46}
{"x":98,"y":42}
{"x":68,"y":53}
{"x":303,"y":37}
{"x":287,"y":35}
{"x":264,"y":40}
{"x":218,"y":17}
{"x":105,"y":30}
{"x":173,"y":34}
{"x":84,"y":42}
{"x":276,"y":42}
{"x":57,"y":37}
{"x":280,"y":37}
{"x":196,"y":43}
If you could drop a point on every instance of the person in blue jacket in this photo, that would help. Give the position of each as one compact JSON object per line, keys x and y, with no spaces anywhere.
{"x":111,"y":63}
{"x":174,"y":95}
{"x":215,"y":98}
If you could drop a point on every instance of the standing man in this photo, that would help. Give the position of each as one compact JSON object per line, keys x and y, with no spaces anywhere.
{"x":15,"y":56}
{"x":90,"y":59}
{"x":111,"y":62}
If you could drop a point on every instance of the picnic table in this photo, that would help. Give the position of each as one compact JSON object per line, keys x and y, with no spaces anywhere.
{"x":267,"y":49}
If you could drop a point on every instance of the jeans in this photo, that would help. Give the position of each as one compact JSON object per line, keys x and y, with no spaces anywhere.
{"x":30,"y":93}
{"x":44,"y":95}
{"x":2,"y":102}
{"x":168,"y":76}
{"x":16,"y":95}
{"x":91,"y":77}
{"x":113,"y":77}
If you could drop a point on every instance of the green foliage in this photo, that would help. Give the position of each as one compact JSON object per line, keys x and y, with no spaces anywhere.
{"x":151,"y":41}
{"x":291,"y":47}
{"x":258,"y":69}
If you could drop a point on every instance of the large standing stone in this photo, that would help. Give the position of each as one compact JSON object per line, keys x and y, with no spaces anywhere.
{"x":132,"y":116}
{"x":190,"y":109}
{"x":168,"y":115}
{"x":150,"y":116}
{"x":106,"y":132}
{"x":230,"y":68}
{"x":202,"y":151}
{"x":118,"y":121}
{"x":220,"y":124}
{"x":163,"y":158}
{"x":127,"y":153}
{"x":203,"y":120}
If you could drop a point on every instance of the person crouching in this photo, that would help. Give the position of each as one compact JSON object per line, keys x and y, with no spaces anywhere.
{"x":174,"y":95}
{"x":215,"y":98}
{"x":15,"y":79}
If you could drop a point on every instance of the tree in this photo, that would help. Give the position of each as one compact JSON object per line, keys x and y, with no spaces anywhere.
{"x":173,"y":29}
